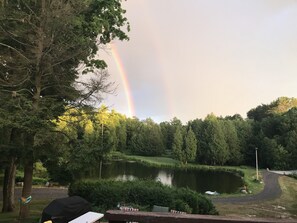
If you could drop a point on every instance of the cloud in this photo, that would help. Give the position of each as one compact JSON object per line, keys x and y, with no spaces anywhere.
{"x":191,"y":58}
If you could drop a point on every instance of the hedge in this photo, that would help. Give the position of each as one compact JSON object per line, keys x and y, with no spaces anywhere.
{"x":35,"y":180}
{"x":143,"y":194}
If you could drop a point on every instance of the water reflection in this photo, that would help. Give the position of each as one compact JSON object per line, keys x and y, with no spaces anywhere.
{"x":198,"y":180}
{"x":125,"y":177}
{"x":165,"y":177}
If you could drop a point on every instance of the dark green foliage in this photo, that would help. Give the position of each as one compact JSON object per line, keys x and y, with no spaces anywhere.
{"x":181,"y":205}
{"x":184,"y":147}
{"x":147,"y":139}
{"x":107,"y":194}
{"x":213,"y":147}
{"x":275,"y":137}
{"x":178,"y":146}
{"x":45,"y":46}
{"x":232,"y":141}
{"x":35,"y":181}
{"x":167,"y":134}
{"x":190,"y":145}
{"x":279,"y":106}
{"x":59,"y":172}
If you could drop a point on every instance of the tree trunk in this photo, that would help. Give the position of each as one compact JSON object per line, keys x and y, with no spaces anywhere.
{"x":8,"y":186}
{"x":27,"y":188}
{"x":100,"y":169}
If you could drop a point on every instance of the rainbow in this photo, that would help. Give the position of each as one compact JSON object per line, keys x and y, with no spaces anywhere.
{"x":124,"y":78}
{"x":157,"y":44}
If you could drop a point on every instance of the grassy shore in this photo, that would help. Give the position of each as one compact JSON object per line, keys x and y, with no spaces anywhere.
{"x":248,"y":172}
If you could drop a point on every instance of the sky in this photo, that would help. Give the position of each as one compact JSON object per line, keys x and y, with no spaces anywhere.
{"x":190,"y":58}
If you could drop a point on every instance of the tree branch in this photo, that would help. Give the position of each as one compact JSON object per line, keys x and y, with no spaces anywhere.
{"x":10,"y":47}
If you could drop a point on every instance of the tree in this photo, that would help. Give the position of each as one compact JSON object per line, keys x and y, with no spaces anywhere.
{"x":197,"y":126}
{"x":42,"y":44}
{"x":214,"y":148}
{"x":121,"y":132}
{"x":184,"y":146}
{"x":167,"y":135}
{"x":232,"y":141}
{"x":148,"y":139}
{"x":244,"y":134}
{"x":279,"y":106}
{"x":9,"y":159}
{"x":190,"y":146}
{"x":177,"y":146}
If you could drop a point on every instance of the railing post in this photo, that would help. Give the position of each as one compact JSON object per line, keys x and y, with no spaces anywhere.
{"x":116,"y":221}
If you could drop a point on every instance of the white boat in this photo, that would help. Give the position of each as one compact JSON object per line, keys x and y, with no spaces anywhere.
{"x":213,"y":193}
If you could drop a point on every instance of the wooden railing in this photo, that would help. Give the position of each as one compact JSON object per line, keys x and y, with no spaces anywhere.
{"x":117,"y":216}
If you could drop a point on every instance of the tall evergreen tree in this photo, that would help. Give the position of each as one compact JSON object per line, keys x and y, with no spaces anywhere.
{"x":215,"y":147}
{"x":177,"y":145}
{"x":232,"y":141}
{"x":190,"y":146}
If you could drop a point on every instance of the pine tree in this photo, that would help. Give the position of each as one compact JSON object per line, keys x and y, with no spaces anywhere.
{"x":190,"y":146}
{"x":177,"y":145}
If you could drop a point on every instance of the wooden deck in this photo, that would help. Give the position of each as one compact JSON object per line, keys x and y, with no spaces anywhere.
{"x":117,"y":216}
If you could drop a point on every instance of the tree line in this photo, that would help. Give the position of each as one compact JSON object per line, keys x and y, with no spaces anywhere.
{"x":229,"y":140}
{"x":83,"y":138}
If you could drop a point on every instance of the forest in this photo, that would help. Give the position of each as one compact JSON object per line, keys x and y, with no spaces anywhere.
{"x":90,"y":136}
{"x":86,"y":137}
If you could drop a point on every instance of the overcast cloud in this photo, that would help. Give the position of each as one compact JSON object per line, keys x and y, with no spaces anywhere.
{"x":190,"y":58}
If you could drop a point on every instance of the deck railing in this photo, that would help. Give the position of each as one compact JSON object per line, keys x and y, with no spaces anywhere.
{"x":117,"y":216}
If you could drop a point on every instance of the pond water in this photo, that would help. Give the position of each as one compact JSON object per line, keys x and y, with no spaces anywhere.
{"x":198,"y":180}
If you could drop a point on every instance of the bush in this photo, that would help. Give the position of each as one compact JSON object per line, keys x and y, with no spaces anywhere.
{"x":107,"y":194}
{"x":39,"y":170}
{"x":35,"y":180}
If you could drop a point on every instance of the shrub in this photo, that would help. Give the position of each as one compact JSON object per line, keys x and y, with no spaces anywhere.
{"x":181,"y":205}
{"x":107,"y":194}
{"x":35,"y":180}
{"x":39,"y":170}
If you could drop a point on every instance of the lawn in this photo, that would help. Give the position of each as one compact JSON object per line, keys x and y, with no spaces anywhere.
{"x":36,"y":208}
{"x":155,"y":160}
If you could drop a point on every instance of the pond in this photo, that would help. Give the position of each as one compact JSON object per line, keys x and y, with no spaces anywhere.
{"x":198,"y":180}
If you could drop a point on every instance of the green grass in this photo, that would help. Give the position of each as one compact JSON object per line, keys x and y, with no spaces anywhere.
{"x":36,"y":208}
{"x":159,"y":161}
